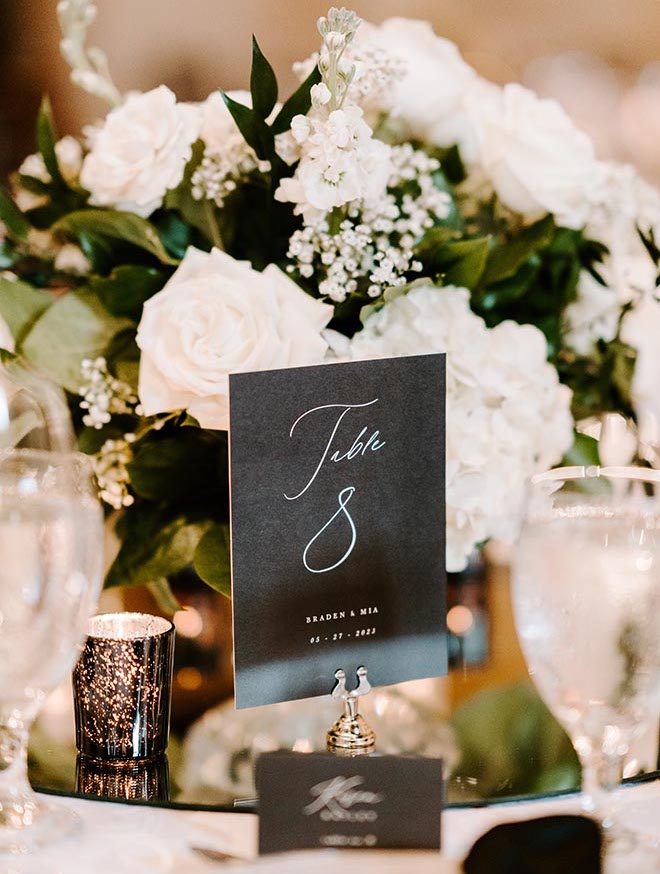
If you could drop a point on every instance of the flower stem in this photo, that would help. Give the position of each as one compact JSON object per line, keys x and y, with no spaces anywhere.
{"x":212,"y":222}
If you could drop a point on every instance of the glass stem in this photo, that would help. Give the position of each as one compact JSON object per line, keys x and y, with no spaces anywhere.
{"x":17,"y":799}
{"x":601,"y":773}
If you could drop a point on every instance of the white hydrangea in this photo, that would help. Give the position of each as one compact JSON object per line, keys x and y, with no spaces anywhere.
{"x":140,"y":152}
{"x":621,"y":205}
{"x":593,"y":316}
{"x":507,"y":414}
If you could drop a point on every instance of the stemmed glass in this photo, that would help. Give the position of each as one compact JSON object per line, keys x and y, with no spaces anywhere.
{"x":51,"y":565}
{"x":586,"y":593}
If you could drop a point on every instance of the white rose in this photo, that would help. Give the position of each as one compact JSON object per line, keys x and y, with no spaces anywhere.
{"x":217,"y":121}
{"x":218,"y":316}
{"x":427,"y":98}
{"x":536,"y":159}
{"x":140,"y":152}
{"x":507,"y":415}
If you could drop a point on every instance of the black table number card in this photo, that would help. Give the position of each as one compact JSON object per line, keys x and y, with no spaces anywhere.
{"x":338,"y":525}
{"x":313,"y":800}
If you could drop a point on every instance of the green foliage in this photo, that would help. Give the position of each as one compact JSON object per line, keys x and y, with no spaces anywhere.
{"x":298,"y":104}
{"x":46,"y":139}
{"x":76,"y":326}
{"x":10,"y":214}
{"x":21,"y":305}
{"x":155,"y":545}
{"x":263,"y":84}
{"x":101,"y":228}
{"x":253,"y":127}
{"x":126,"y":289}
{"x":601,"y":382}
{"x":212,"y":561}
{"x":512,"y":745}
{"x":190,"y":464}
{"x":583,"y":452}
{"x":506,"y":258}
{"x":180,"y":199}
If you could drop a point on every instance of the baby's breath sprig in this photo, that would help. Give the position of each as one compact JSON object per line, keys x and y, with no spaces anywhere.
{"x":110,"y":467}
{"x":103,"y":395}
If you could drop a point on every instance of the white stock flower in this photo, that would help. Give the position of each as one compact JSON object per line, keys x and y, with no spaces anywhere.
{"x":340,"y":163}
{"x":140,"y":152}
{"x":507,"y":414}
{"x":218,"y":316}
{"x":537,"y":160}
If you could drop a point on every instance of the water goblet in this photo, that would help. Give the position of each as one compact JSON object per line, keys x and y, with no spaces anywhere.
{"x":51,"y":568}
{"x":586,"y":594}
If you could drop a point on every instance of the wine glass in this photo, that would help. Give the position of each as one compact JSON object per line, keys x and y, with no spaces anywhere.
{"x":586,"y":594}
{"x":51,"y":566}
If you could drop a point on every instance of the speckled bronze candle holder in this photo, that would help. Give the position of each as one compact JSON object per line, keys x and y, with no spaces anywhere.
{"x":122,"y":687}
{"x":135,"y":781}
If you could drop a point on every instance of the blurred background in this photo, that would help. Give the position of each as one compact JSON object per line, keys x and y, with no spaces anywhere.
{"x":600,"y":58}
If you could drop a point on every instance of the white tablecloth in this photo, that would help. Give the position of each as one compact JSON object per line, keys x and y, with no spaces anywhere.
{"x":129,"y":839}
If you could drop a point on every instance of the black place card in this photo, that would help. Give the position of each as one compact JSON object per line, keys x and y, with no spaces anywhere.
{"x":313,"y":800}
{"x":338,"y":525}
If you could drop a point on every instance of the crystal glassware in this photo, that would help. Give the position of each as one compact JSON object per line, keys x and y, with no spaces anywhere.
{"x":51,"y":544}
{"x":586,"y":593}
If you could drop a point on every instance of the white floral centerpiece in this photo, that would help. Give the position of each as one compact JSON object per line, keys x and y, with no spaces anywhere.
{"x":395,"y":204}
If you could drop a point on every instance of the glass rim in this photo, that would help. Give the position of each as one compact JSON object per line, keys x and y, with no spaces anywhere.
{"x":103,"y":618}
{"x":594,"y":471}
{"x":57,"y":456}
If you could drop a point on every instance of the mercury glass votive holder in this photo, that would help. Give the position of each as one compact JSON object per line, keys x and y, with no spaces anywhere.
{"x":147,"y":780}
{"x":122,"y":687}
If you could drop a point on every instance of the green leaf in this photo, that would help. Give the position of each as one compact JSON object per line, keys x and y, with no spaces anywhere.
{"x":21,"y":305}
{"x":254,"y":129}
{"x":109,"y":225}
{"x":583,"y":452}
{"x":181,"y":199}
{"x":76,"y":326}
{"x":505,"y":259}
{"x":263,"y":84}
{"x":125,"y":290}
{"x":153,"y":547}
{"x":298,"y":104}
{"x":212,"y":560}
{"x":458,"y":263}
{"x":123,"y":356}
{"x":191,"y":463}
{"x":165,"y":597}
{"x":509,"y":290}
{"x":46,"y":139}
{"x":10,"y":214}
{"x":176,"y":233}
{"x":651,"y":246}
